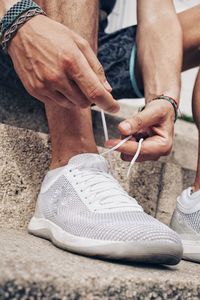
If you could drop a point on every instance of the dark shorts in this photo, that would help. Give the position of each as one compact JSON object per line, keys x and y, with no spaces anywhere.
{"x":116,"y":53}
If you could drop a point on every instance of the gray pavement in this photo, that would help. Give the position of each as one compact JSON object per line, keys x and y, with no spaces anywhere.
{"x":32,"y":268}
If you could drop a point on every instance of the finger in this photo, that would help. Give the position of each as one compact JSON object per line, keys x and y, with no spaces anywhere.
{"x":150,"y":116}
{"x":91,"y":86}
{"x":92,"y":59}
{"x":126,"y":157}
{"x":152,"y":148}
{"x":72,"y":92}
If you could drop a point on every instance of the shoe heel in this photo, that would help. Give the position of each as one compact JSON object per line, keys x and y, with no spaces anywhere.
{"x":38,"y":227}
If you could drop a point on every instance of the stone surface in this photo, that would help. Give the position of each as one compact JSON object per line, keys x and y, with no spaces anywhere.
{"x":32,"y":268}
{"x":188,"y":177}
{"x":19,"y":109}
{"x":172,"y":187}
{"x":24,"y":157}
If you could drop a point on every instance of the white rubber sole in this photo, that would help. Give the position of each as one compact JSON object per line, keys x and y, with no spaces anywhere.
{"x":155,"y":252}
{"x":191,"y":250}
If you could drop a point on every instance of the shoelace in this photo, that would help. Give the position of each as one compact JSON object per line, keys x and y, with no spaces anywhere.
{"x":105,"y":129}
{"x":104,"y":191}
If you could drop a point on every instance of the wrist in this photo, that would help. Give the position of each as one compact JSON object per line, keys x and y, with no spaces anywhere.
{"x":173,"y":93}
{"x":27,"y":31}
{"x":170,"y":104}
{"x":15,"y":18}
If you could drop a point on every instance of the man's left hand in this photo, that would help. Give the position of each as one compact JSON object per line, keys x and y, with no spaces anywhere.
{"x":155,"y":124}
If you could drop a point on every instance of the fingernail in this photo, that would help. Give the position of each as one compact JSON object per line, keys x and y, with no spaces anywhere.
{"x":125,"y":126}
{"x":107,"y":86}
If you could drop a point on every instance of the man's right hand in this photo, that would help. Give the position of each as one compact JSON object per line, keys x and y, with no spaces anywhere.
{"x":56,"y":64}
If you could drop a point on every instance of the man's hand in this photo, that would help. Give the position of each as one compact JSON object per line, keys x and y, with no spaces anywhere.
{"x":155,"y":124}
{"x":56,"y":64}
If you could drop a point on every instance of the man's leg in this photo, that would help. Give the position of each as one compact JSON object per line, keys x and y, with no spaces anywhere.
{"x":185,"y":219}
{"x":190,"y":23}
{"x":71,"y":130}
{"x":196,"y":115}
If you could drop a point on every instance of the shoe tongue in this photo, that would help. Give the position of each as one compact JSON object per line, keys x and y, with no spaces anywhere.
{"x":194,"y":194}
{"x":89,"y":161}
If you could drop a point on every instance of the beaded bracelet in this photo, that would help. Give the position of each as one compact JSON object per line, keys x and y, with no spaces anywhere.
{"x":170,"y":100}
{"x":15,"y":18}
{"x":10,"y":33}
{"x":14,"y":12}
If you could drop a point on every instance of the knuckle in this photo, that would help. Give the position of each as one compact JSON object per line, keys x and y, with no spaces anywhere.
{"x":68,"y":61}
{"x":39,"y":86}
{"x":95,"y":92}
{"x":52,"y":79}
{"x":100,"y":69}
{"x":136,"y":122}
{"x":166,"y":147}
{"x":83,"y":44}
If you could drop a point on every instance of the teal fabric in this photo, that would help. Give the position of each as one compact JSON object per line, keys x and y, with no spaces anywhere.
{"x":132,"y":73}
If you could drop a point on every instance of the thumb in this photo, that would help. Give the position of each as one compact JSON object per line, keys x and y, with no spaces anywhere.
{"x":150,"y":116}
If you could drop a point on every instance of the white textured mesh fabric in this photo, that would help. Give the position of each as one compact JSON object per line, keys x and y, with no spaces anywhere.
{"x":193,"y":220}
{"x":62,"y":205}
{"x":89,"y":161}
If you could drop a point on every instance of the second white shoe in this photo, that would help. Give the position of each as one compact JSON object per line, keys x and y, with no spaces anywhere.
{"x":186,"y":222}
{"x":83,"y":209}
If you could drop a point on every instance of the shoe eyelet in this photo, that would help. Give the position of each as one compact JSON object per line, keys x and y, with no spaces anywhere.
{"x":70,"y":171}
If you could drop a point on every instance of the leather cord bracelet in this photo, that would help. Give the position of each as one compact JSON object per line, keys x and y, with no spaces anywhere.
{"x":15,"y":18}
{"x":168,"y":99}
{"x":14,"y":12}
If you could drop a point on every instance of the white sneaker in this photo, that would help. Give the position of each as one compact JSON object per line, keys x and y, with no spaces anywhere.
{"x":186,"y":222}
{"x":83,"y":209}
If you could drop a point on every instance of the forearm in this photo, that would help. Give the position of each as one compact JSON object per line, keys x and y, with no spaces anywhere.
{"x":159,"y":42}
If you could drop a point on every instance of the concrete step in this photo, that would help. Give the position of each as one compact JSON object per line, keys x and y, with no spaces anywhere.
{"x":32,"y":268}
{"x":25,"y":154}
